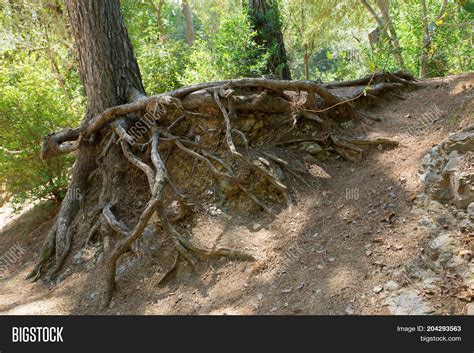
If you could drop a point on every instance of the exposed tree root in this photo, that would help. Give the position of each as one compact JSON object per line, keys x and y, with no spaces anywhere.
{"x":170,"y":271}
{"x":171,"y":122}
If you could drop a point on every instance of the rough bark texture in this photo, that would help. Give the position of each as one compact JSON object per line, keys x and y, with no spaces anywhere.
{"x":265,"y":18}
{"x":110,"y":75}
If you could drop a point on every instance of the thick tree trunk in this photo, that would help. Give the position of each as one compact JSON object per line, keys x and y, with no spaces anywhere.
{"x":265,"y":18}
{"x":110,"y":75}
{"x":188,"y":22}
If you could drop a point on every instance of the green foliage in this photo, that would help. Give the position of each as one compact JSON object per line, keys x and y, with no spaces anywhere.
{"x":40,"y":92}
{"x":227,"y":52}
{"x":161,"y":65}
{"x":31,"y":106}
{"x":224,"y":48}
{"x":343,"y":26}
{"x":450,"y":51}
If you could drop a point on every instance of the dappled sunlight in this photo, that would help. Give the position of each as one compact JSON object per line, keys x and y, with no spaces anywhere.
{"x":208,"y":158}
{"x":342,"y":278}
{"x":467,"y":84}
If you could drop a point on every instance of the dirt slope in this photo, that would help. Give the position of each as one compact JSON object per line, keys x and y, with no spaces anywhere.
{"x":348,"y":240}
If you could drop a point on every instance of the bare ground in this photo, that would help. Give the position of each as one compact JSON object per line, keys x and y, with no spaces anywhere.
{"x":348,"y":233}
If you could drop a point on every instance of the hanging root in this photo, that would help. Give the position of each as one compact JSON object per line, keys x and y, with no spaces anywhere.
{"x":174,"y":123}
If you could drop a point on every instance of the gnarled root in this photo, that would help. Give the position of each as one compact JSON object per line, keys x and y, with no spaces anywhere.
{"x":170,"y":122}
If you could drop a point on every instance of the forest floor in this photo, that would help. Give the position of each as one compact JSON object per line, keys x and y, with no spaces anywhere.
{"x":343,"y":247}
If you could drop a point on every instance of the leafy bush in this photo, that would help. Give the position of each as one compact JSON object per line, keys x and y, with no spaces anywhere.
{"x":162,"y":64}
{"x":32,"y":105}
{"x":229,"y":51}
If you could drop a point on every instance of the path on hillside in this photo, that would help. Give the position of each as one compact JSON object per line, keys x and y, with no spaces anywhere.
{"x":342,"y":248}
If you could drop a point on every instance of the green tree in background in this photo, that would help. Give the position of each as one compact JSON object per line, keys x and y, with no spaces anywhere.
{"x":39,"y":90}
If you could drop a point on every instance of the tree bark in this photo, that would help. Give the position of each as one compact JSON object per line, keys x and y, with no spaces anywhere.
{"x":188,"y":22}
{"x":110,"y":75}
{"x":265,"y":18}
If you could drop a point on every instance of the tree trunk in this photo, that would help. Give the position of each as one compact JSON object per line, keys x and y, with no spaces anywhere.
{"x":306,"y":62}
{"x":188,"y":22}
{"x":397,"y":53}
{"x":426,"y":41}
{"x":265,"y":18}
{"x":386,"y":26}
{"x":159,"y":20}
{"x":427,"y":36}
{"x":110,"y":75}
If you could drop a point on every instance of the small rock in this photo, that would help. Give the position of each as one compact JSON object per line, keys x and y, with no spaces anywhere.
{"x":470,"y":309}
{"x":391,"y":285}
{"x":78,"y":258}
{"x":470,"y":210}
{"x":313,"y":148}
{"x":407,"y":302}
{"x":349,"y":309}
{"x":377,"y":289}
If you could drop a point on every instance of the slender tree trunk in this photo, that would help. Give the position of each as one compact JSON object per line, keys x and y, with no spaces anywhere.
{"x":384,"y":8}
{"x":188,"y":22}
{"x":306,"y":62}
{"x":110,"y":75}
{"x":265,"y":18}
{"x":374,"y":15}
{"x":386,"y":25}
{"x":159,"y":20}
{"x":426,"y":41}
{"x":427,"y":36}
